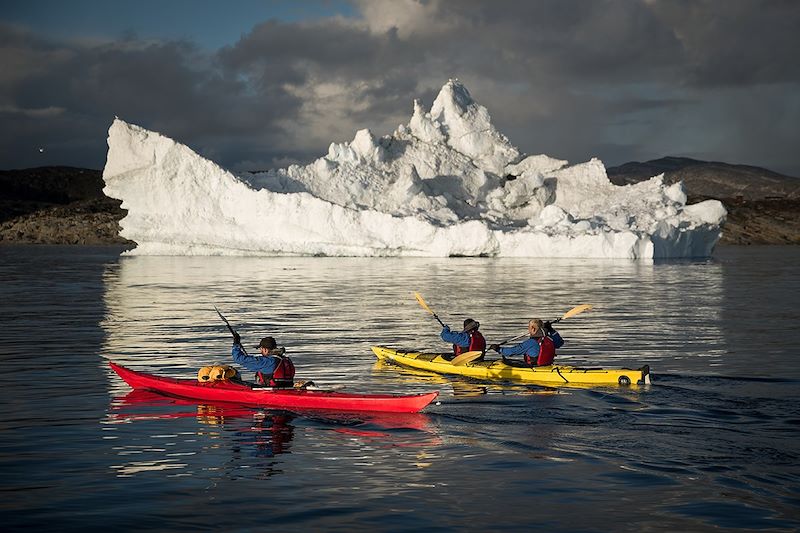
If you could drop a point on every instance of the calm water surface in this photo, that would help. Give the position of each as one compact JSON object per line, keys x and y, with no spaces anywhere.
{"x":711,"y":444}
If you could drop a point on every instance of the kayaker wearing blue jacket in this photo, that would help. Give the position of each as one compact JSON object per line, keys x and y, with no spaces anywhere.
{"x":539,"y":349}
{"x":272,"y":367}
{"x":468,"y":340}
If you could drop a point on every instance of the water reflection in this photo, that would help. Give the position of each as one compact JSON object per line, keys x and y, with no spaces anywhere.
{"x":257,"y":433}
{"x":264,"y":434}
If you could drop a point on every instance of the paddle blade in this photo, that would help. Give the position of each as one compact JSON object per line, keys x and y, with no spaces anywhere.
{"x":421,"y":301}
{"x":576,"y":311}
{"x":465,"y":358}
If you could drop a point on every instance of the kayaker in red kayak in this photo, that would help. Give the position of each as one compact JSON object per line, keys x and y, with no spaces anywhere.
{"x":468,"y":340}
{"x":539,"y":349}
{"x":272,"y":367}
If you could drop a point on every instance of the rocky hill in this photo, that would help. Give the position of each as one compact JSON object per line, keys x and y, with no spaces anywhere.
{"x":57,"y":205}
{"x":66,"y":205}
{"x":711,"y":179}
{"x":763,"y":206}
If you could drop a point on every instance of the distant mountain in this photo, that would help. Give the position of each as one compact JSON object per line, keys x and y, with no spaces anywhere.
{"x":710,"y":179}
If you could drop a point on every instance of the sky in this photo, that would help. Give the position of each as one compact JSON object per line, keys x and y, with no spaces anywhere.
{"x":254,"y":85}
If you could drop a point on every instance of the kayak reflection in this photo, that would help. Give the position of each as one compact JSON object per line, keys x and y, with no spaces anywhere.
{"x":272,"y":430}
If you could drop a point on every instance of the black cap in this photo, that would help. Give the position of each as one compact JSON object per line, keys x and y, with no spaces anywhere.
{"x":470,"y":324}
{"x":268,"y":343}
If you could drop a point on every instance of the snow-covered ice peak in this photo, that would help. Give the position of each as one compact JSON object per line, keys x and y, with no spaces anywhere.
{"x":446,"y":183}
{"x":469,"y":130}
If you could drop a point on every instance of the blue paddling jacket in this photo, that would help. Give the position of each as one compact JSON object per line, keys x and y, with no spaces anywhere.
{"x":530,"y":347}
{"x":264,"y":364}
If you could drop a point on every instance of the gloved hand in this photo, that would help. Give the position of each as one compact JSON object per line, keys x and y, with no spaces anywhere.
{"x":236,"y":338}
{"x":280,"y":351}
{"x":495,"y":347}
{"x":548,"y":327}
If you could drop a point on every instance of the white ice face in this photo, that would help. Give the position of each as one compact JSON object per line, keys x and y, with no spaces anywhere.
{"x":447,"y":183}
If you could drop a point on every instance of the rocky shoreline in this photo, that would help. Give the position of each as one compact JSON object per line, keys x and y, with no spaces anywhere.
{"x":65,"y":205}
{"x":58,"y":205}
{"x":769,"y":221}
{"x":89,"y":222}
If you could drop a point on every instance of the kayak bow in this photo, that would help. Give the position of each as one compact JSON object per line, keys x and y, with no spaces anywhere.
{"x":246,"y":394}
{"x":497,"y":370}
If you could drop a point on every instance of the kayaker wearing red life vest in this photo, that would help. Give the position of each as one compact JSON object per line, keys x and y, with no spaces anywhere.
{"x":468,"y":340}
{"x":539,"y":349}
{"x":272,"y":367}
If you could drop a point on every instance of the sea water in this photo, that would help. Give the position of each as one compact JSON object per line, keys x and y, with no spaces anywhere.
{"x":711,"y":444}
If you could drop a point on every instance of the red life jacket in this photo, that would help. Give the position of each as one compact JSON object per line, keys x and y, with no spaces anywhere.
{"x":282,"y":376}
{"x":547,"y":351}
{"x":476,"y":344}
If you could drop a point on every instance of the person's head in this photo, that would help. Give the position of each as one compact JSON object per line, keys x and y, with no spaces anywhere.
{"x":267,"y":344}
{"x":470,"y":324}
{"x":536,"y":327}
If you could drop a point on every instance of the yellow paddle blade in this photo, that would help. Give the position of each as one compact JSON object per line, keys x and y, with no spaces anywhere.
{"x":418,"y":296}
{"x":576,"y":311}
{"x":465,"y":358}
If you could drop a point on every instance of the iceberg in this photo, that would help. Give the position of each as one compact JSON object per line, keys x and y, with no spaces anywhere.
{"x":445,"y":184}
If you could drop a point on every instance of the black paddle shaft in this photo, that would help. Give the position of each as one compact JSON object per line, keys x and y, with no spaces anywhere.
{"x":226,"y":322}
{"x":233,"y":332}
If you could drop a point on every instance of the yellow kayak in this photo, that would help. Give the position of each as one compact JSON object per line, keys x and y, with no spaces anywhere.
{"x":497,"y":370}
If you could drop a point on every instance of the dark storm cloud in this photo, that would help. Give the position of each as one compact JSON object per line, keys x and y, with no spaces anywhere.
{"x":736,"y":42}
{"x":337,"y":52}
{"x":617,"y":79}
{"x":718,"y":42}
{"x":285,"y":51}
{"x":167,"y":86}
{"x":590,"y":40}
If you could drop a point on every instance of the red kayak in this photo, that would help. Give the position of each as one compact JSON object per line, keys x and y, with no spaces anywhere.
{"x":245,"y":394}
